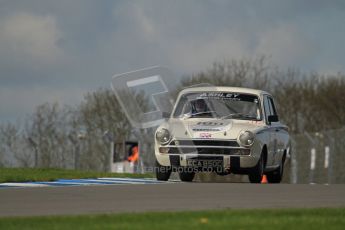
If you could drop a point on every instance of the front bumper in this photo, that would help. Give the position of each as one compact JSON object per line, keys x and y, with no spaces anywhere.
{"x":234,"y":158}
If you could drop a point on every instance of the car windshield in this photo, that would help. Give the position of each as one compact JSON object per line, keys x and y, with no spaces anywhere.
{"x":223,"y":105}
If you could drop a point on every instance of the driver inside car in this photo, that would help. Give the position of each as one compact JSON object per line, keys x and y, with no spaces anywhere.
{"x":200,"y":108}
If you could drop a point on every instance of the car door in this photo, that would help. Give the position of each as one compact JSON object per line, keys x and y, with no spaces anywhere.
{"x":276,"y":132}
{"x":270,"y":131}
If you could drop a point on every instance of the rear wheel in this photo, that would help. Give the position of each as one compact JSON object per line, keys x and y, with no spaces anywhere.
{"x":276,"y":176}
{"x":162,"y":172}
{"x":186,"y":176}
{"x":255,"y":175}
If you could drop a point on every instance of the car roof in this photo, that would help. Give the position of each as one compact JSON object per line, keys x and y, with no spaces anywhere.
{"x":225,"y":89}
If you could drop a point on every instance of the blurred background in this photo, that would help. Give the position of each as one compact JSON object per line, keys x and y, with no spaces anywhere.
{"x":57,"y":58}
{"x":63,"y":136}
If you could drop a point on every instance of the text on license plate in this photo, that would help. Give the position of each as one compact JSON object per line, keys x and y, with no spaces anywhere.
{"x":205,"y":163}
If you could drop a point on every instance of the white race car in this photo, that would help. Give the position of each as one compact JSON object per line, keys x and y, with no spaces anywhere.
{"x":222,"y":129}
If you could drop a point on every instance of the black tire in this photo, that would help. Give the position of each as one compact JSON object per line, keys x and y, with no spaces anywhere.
{"x":162,"y":172}
{"x":276,"y":176}
{"x":186,"y":176}
{"x":255,"y":174}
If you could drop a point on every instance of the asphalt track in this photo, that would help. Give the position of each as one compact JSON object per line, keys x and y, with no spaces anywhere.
{"x":165,"y":197}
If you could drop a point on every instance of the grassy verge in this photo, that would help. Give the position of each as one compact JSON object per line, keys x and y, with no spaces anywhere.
{"x":33,"y":174}
{"x":227,"y":219}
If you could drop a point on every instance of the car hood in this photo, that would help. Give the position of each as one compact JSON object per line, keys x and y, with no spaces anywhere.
{"x":210,"y":128}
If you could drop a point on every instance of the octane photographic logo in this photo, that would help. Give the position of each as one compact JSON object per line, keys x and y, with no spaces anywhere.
{"x":144,"y":95}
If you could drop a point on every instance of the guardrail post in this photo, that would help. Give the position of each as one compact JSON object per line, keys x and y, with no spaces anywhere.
{"x":312,"y":158}
{"x":293,"y":155}
{"x":312,"y":165}
{"x":331,"y":152}
{"x":326,"y":161}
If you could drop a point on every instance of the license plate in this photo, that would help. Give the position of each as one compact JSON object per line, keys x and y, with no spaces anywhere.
{"x":205,"y":163}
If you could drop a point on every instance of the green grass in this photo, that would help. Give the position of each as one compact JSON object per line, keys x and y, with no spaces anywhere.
{"x":34,"y":174}
{"x":226,"y":219}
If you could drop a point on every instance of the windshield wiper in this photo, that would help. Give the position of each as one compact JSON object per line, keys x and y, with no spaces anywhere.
{"x":240,"y":115}
{"x":250,"y":117}
{"x":199,"y":113}
{"x":231,"y":115}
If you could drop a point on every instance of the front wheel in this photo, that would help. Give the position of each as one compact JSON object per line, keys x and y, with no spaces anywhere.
{"x":255,"y":175}
{"x":162,"y":172}
{"x":186,"y":176}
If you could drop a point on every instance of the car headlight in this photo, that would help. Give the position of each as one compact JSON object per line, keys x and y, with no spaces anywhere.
{"x":246,"y":138}
{"x":163,"y":136}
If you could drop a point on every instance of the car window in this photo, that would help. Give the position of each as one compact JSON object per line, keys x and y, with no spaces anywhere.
{"x":267,"y":108}
{"x":218,"y":105}
{"x":272,"y":106}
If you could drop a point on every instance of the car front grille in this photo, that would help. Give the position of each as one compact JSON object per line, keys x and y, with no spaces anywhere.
{"x":205,"y":147}
{"x":231,"y":143}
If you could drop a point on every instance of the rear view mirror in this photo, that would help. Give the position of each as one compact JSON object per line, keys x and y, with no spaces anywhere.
{"x":273,"y":118}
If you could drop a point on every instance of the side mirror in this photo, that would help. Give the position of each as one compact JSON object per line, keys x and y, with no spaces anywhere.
{"x":273,"y":118}
{"x":166,"y":115}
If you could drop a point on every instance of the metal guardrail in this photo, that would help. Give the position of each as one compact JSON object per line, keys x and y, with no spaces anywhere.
{"x":318,"y":157}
